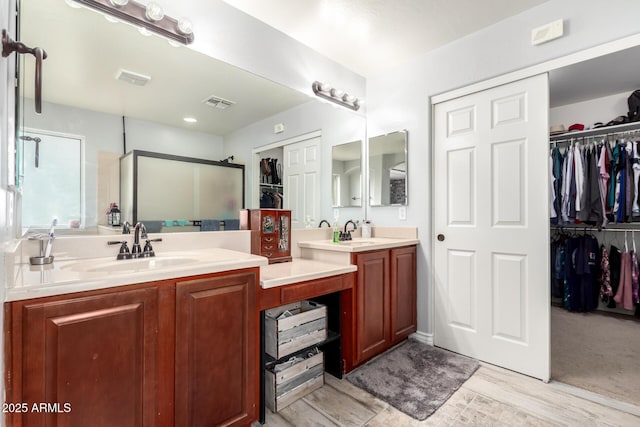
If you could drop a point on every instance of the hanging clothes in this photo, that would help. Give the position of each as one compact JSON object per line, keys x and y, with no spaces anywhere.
{"x":624,"y":294}
{"x":636,"y":179}
{"x":605,"y":274}
{"x":615,"y":262}
{"x":553,"y":214}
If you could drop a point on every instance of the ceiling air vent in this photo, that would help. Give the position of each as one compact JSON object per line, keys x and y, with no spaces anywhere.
{"x":217,"y":102}
{"x":131,"y":77}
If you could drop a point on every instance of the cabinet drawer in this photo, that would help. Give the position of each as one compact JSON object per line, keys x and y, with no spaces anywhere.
{"x":269,"y":240}
{"x":311,"y":289}
{"x":289,"y":381}
{"x":306,"y":326}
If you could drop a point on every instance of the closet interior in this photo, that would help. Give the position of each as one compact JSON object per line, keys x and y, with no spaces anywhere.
{"x":594,"y":211}
{"x":271,"y":184}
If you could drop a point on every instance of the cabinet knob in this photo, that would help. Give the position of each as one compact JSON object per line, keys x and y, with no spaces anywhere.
{"x":441,"y":237}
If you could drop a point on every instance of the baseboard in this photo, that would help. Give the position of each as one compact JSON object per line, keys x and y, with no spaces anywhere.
{"x":422,"y":337}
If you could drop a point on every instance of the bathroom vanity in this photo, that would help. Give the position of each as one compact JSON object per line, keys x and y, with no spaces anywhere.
{"x":169,"y":341}
{"x":176,"y":339}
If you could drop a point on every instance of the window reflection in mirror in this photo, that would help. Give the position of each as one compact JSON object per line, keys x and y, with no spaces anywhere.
{"x":346,"y":174}
{"x":49,"y":191}
{"x":388,"y":169}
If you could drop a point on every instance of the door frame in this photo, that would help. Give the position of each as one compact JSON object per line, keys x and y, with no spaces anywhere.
{"x":541,"y":68}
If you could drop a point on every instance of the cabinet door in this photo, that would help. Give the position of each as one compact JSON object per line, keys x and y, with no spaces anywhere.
{"x":372,"y":293}
{"x":98,"y":354}
{"x":217,"y":356}
{"x":403,"y":293}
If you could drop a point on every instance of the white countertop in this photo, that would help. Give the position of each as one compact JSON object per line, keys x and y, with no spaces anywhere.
{"x":358,"y":244}
{"x":73,"y":275}
{"x":299,"y":270}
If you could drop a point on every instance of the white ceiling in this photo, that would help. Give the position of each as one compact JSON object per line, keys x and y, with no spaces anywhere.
{"x":369,"y":36}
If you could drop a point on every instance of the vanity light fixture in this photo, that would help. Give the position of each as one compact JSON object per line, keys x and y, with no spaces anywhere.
{"x":150,"y":17}
{"x":338,"y":96}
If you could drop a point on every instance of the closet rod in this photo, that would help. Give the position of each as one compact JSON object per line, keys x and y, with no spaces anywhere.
{"x":596,"y":229}
{"x":625,"y":128}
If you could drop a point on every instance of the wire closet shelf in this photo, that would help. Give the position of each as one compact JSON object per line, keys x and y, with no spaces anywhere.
{"x":628,"y":130}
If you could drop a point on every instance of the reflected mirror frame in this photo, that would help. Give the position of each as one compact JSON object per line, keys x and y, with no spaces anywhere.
{"x":405,"y":151}
{"x":339,"y":203}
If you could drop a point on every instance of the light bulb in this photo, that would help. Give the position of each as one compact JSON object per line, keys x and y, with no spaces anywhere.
{"x":325,"y":87}
{"x":185,"y":26}
{"x":336,"y":93}
{"x":154,"y":11}
{"x":119,"y":3}
{"x":348,"y":98}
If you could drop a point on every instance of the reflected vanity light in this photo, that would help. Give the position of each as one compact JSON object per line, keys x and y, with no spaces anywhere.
{"x":338,"y":96}
{"x":190,"y":119}
{"x":149,"y":18}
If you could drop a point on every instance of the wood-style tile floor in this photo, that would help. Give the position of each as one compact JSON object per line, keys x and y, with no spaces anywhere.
{"x":491,"y":397}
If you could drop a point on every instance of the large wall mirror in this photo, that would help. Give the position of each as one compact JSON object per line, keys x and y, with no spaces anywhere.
{"x":89,"y":96}
{"x":346,"y":174}
{"x":388,"y":169}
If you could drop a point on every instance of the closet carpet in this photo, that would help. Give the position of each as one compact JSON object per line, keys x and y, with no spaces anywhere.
{"x":596,"y":352}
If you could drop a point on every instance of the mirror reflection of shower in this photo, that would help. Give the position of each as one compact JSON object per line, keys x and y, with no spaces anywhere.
{"x":37,"y":141}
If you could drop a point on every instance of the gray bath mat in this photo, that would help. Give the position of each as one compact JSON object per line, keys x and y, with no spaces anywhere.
{"x":415,"y":378}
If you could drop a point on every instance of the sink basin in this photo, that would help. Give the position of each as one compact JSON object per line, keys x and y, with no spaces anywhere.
{"x":128,"y":265}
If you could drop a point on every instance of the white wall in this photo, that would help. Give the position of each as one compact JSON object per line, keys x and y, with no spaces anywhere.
{"x":338,"y":126}
{"x":103,"y":132}
{"x":602,"y":109}
{"x":7,"y":120}
{"x":399,"y":99}
{"x":7,"y":203}
{"x":230,"y":35}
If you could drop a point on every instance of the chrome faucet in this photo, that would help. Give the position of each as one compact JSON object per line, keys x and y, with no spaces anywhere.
{"x":126,"y":228}
{"x":139,"y":231}
{"x":347,"y":234}
{"x":324,"y":221}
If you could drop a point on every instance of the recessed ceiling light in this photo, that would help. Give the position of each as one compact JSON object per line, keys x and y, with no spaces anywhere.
{"x":190,"y":119}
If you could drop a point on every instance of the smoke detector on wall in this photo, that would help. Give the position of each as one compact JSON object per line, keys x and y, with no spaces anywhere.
{"x":217,"y":102}
{"x":132,"y":77}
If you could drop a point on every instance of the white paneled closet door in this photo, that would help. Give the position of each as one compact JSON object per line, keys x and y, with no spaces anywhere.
{"x":301,"y":177}
{"x":491,"y":249}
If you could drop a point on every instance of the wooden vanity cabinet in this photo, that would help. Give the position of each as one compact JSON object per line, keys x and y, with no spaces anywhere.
{"x":217,"y":351}
{"x":385,"y":300}
{"x":168,"y":353}
{"x":404,"y":301}
{"x":270,"y":232}
{"x":98,"y":354}
{"x":373,"y":292}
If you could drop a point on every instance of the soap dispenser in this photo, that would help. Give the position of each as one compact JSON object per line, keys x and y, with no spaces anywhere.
{"x":336,"y":231}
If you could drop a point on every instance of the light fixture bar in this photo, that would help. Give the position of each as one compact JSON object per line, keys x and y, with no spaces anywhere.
{"x":336,"y":95}
{"x":136,"y":14}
